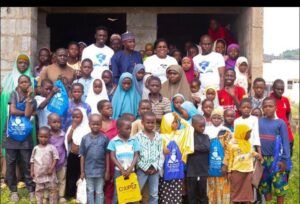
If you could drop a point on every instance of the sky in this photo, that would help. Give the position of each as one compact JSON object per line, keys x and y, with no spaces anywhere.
{"x":281,"y":29}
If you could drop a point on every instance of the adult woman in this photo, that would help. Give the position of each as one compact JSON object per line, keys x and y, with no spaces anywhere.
{"x":158,"y":63}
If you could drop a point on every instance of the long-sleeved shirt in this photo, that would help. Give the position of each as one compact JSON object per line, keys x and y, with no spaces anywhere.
{"x":151,"y":152}
{"x":268,"y":130}
{"x":197,"y":163}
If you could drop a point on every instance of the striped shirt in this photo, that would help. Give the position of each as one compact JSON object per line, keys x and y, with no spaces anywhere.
{"x":151,"y":153}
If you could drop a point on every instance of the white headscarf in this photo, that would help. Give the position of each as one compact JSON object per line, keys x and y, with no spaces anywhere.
{"x":92,"y":99}
{"x":146,"y":91}
{"x":241,"y":78}
{"x":81,"y":130}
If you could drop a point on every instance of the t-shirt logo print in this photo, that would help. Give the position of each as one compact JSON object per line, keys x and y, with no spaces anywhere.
{"x":203,"y":65}
{"x":164,"y":66}
{"x":100,"y":57}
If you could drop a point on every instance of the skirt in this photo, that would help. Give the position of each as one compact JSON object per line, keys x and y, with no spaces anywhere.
{"x":170,"y":192}
{"x":241,"y":189}
{"x":218,"y":189}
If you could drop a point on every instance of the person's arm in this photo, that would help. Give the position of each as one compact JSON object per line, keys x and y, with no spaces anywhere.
{"x":107,"y":174}
{"x":183,"y":113}
{"x":82,"y":153}
{"x":32,"y":170}
{"x":133,"y":163}
{"x":231,"y":92}
{"x":202,"y":146}
{"x":115,"y":69}
{"x":51,"y":169}
{"x":82,"y":173}
{"x":70,"y":135}
{"x":43,"y":75}
{"x":285,"y":144}
{"x":221,"y":74}
{"x":288,"y":110}
{"x":28,"y":108}
{"x":48,"y":98}
{"x":116,"y":162}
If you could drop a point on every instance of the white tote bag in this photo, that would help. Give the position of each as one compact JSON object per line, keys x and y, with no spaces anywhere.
{"x":81,"y":191}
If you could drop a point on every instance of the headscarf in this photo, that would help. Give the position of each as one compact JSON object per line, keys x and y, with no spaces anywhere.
{"x":184,"y":138}
{"x":191,"y":110}
{"x":146,"y":91}
{"x":216,"y":100}
{"x":230,"y":63}
{"x":125,"y":101}
{"x":240,"y":132}
{"x":92,"y":99}
{"x":8,"y":85}
{"x":115,"y":36}
{"x":172,"y":102}
{"x":139,"y":85}
{"x":241,"y":78}
{"x":168,"y":90}
{"x":82,"y":43}
{"x":218,"y":111}
{"x":190,"y":73}
{"x":81,"y":130}
{"x":216,"y":42}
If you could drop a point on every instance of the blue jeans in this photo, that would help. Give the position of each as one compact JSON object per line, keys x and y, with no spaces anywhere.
{"x":94,"y":184}
{"x":153,"y":181}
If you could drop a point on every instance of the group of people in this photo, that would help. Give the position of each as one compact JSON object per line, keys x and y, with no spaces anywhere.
{"x":191,"y":126}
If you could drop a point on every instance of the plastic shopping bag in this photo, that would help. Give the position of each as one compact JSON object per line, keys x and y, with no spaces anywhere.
{"x":81,"y":196}
{"x":128,"y":190}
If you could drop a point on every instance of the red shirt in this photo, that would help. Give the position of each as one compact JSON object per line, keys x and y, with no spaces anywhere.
{"x":226,"y":101}
{"x":223,"y":33}
{"x":283,"y":110}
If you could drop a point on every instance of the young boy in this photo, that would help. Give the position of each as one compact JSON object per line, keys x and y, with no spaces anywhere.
{"x":144,"y":106}
{"x":94,"y":161}
{"x":150,"y":159}
{"x":47,"y":91}
{"x":57,"y":139}
{"x":197,"y":163}
{"x":43,"y":160}
{"x":231,"y":95}
{"x":128,"y":116}
{"x":269,"y":128}
{"x":123,"y":151}
{"x":283,"y":108}
{"x":160,"y":105}
{"x":229,"y":116}
{"x":259,"y":85}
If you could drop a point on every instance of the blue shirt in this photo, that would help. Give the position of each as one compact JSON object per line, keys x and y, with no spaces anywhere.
{"x":124,"y":150}
{"x":86,"y":85}
{"x":124,"y":62}
{"x":93,"y":148}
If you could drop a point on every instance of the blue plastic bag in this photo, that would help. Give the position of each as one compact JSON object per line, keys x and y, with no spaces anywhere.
{"x":277,"y":154}
{"x":19,"y":127}
{"x":216,"y":156}
{"x":59,"y":103}
{"x":173,"y":165}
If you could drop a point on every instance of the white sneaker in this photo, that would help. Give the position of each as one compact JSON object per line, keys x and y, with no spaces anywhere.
{"x":14,"y":197}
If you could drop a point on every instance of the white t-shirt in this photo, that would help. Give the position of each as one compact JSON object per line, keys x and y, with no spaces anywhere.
{"x":100,"y":57}
{"x":252,"y":122}
{"x":42,"y":113}
{"x":208,"y":66}
{"x":158,"y":66}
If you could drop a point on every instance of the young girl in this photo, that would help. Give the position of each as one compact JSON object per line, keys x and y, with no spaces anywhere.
{"x":146,"y":91}
{"x":257,"y":112}
{"x":240,"y":165}
{"x":229,"y":116}
{"x":126,"y":98}
{"x":210,"y":93}
{"x":220,"y":47}
{"x":196,"y":92}
{"x":138,"y":75}
{"x":233,"y":52}
{"x":177,"y":55}
{"x":96,"y":93}
{"x":43,"y":160}
{"x":44,"y":60}
{"x":188,"y":68}
{"x":242,"y":73}
{"x":73,"y":57}
{"x":207,"y":108}
{"x":110,"y":86}
{"x":78,"y":129}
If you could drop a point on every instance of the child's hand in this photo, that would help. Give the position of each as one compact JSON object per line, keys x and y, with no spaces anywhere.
{"x":166,"y":151}
{"x":176,"y":116}
{"x":82,"y":175}
{"x":196,"y":74}
{"x":55,"y":90}
{"x":126,"y":174}
{"x":74,"y":125}
{"x":230,"y":91}
{"x":282,"y":166}
{"x":29,"y":91}
{"x":224,"y":169}
{"x":107,"y":176}
{"x":196,"y":99}
{"x":50,"y":171}
{"x":259,"y":158}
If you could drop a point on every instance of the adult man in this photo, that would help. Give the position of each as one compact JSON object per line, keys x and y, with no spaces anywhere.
{"x":98,"y":52}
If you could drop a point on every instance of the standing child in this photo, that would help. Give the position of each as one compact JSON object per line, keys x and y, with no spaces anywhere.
{"x":197,"y":163}
{"x":229,"y":116}
{"x":240,"y":166}
{"x":188,"y":68}
{"x":96,"y":93}
{"x":233,"y":52}
{"x":150,"y":160}
{"x":137,"y":126}
{"x":242,"y":73}
{"x":110,"y":86}
{"x":123,"y":151}
{"x":43,"y":160}
{"x":210,"y":93}
{"x":94,"y":161}
{"x":269,"y":129}
{"x":57,"y":138}
{"x":259,"y":85}
{"x":138,"y":74}
{"x":44,"y":61}
{"x":207,"y":109}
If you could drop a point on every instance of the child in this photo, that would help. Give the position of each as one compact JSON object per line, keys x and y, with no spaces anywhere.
{"x":242,"y":73}
{"x":196,"y":92}
{"x":137,"y":126}
{"x":177,"y":55}
{"x":283,"y":108}
{"x":138,"y":75}
{"x":233,"y":52}
{"x":269,"y":129}
{"x":110,"y":86}
{"x":231,"y":95}
{"x":21,"y":104}
{"x":259,"y":86}
{"x":109,"y":128}
{"x":76,"y":102}
{"x":123,"y":151}
{"x":229,"y":116}
{"x":188,"y":68}
{"x":256,"y":112}
{"x":240,"y":166}
{"x":149,"y":50}
{"x":47,"y":92}
{"x":220,"y":47}
{"x":160,"y":105}
{"x":43,"y":160}
{"x":219,"y":186}
{"x":57,"y":138}
{"x":197,"y":163}
{"x":176,"y":102}
{"x":128,"y":116}
{"x":193,"y":51}
{"x":126,"y":98}
{"x":73,"y":57}
{"x":86,"y":69}
{"x":44,"y":61}
{"x":207,"y":108}
{"x":251,"y":121}
{"x":150,"y":160}
{"x":94,"y":161}
{"x":76,"y":131}
{"x":96,"y":93}
{"x":210,"y":93}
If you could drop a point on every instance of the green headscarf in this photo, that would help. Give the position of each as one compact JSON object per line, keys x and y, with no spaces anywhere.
{"x":8,"y":85}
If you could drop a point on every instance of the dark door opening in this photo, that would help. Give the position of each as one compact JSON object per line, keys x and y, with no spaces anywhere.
{"x":180,"y":28}
{"x":81,"y":27}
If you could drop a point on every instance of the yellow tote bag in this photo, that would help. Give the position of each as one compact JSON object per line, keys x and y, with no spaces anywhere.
{"x":128,"y":190}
